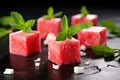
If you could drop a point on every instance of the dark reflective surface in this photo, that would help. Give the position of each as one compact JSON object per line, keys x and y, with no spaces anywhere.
{"x":25,"y":67}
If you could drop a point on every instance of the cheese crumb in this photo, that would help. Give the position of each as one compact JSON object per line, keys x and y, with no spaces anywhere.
{"x":50,"y":36}
{"x":8,"y":71}
{"x":87,"y":62}
{"x":78,"y":70}
{"x":82,"y":47}
{"x":56,"y":67}
{"x":82,"y":53}
{"x":37,"y":60}
{"x":37,"y":64}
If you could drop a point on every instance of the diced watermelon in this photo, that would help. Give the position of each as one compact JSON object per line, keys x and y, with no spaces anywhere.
{"x":46,"y":26}
{"x":76,"y":19}
{"x":24,"y":44}
{"x":64,"y":52}
{"x":93,"y":36}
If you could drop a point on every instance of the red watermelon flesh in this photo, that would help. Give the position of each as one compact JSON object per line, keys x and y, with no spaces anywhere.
{"x":46,"y":26}
{"x":24,"y":44}
{"x":64,"y":52}
{"x":76,"y":19}
{"x":93,"y":36}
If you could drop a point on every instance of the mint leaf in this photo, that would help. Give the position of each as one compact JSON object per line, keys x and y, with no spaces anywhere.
{"x":3,"y":32}
{"x":58,"y":14}
{"x":111,"y":26}
{"x":64,"y":24}
{"x":16,"y":26}
{"x":28,"y":26}
{"x":84,"y":11}
{"x":46,"y":17}
{"x":6,"y":20}
{"x":77,"y":28}
{"x":103,"y":51}
{"x":61,"y":37}
{"x":17,"y":18}
{"x":16,"y":21}
{"x":68,"y":32}
{"x":50,"y":13}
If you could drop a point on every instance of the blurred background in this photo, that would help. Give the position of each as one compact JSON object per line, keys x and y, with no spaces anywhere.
{"x":36,"y":8}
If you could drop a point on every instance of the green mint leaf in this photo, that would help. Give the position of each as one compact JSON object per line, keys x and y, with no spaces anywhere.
{"x":77,"y":28}
{"x":17,"y":18}
{"x":61,"y":37}
{"x":103,"y":51}
{"x":28,"y":26}
{"x":84,"y":11}
{"x":58,"y":14}
{"x":3,"y":32}
{"x":68,"y":32}
{"x":50,"y":14}
{"x":50,"y":11}
{"x":16,"y":26}
{"x":111,"y":26}
{"x":46,"y":17}
{"x":64,"y":24}
{"x":6,"y":20}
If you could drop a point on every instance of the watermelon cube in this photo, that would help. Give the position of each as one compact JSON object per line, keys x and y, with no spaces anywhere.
{"x":77,"y":19}
{"x":24,"y":44}
{"x":64,"y":52}
{"x":93,"y":36}
{"x":46,"y":26}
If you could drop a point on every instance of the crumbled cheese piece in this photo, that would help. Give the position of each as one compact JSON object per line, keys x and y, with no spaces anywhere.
{"x":50,"y":36}
{"x":56,"y":66}
{"x":82,"y":47}
{"x":87,"y":62}
{"x":8,"y":71}
{"x":37,"y":64}
{"x":82,"y":53}
{"x":78,"y":69}
{"x":37,"y":60}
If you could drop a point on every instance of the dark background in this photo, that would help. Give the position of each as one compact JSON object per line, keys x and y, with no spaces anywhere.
{"x":105,"y":9}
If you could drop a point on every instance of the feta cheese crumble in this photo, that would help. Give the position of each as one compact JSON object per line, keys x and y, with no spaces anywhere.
{"x":82,"y":47}
{"x":50,"y":36}
{"x":37,"y":64}
{"x":87,"y":62}
{"x":78,"y":69}
{"x":56,"y":67}
{"x":37,"y":60}
{"x":8,"y":71}
{"x":82,"y":53}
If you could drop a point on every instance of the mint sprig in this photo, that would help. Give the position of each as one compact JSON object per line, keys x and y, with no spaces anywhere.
{"x":68,"y":32}
{"x":20,"y":24}
{"x":103,"y":51}
{"x":6,"y":20}
{"x":51,"y":14}
{"x":111,"y":26}
{"x":84,"y":11}
{"x":4,"y":32}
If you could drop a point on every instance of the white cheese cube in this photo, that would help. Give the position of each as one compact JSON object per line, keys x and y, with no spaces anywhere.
{"x":8,"y":71}
{"x":37,"y":60}
{"x":82,"y":47}
{"x":82,"y":53}
{"x":78,"y":69}
{"x":50,"y":36}
{"x":87,"y":62}
{"x":56,"y":67}
{"x":37,"y":64}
